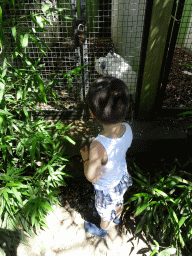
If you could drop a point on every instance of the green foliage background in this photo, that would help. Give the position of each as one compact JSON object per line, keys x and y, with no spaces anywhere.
{"x":160,"y":201}
{"x":31,"y":152}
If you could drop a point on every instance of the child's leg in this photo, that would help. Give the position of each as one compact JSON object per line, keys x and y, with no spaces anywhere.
{"x":104,"y":224}
{"x":119,"y":210}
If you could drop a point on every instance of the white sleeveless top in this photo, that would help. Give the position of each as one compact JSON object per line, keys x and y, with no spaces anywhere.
{"x":116,"y":166}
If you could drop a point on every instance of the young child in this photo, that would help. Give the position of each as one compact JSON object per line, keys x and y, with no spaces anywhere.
{"x":105,"y":162}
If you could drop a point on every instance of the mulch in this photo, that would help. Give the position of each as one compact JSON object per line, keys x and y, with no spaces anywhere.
{"x":178,"y":92}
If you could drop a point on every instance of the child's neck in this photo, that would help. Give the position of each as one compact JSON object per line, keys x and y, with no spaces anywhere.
{"x":111,"y":129}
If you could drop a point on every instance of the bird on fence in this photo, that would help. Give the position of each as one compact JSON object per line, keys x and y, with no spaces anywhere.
{"x":114,"y":65}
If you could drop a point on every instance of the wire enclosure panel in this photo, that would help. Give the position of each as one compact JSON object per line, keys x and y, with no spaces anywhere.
{"x":99,"y":28}
{"x":178,"y":93}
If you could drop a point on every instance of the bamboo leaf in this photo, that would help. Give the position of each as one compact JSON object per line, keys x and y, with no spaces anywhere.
{"x":70,"y":80}
{"x":37,"y":43}
{"x":4,"y":68}
{"x":41,"y":86}
{"x":163,"y":194}
{"x":25,"y":193}
{"x":33,"y":19}
{"x":2,"y":88}
{"x":39,"y":21}
{"x":168,"y":252}
{"x":149,"y":221}
{"x":10,"y":184}
{"x":14,"y":32}
{"x":141,"y":182}
{"x":138,"y":173}
{"x":183,"y":180}
{"x":185,"y":113}
{"x":182,"y":220}
{"x":45,"y":7}
{"x":174,"y":216}
{"x":4,"y":112}
{"x":37,"y":61}
{"x":143,"y":207}
{"x":75,"y":71}
{"x":70,"y":140}
{"x":41,"y":170}
{"x":37,"y":225}
{"x":18,"y":196}
{"x":26,"y":112}
{"x":1,"y":121}
{"x":34,"y":214}
{"x":34,"y":142}
{"x":141,"y":224}
{"x":20,"y":38}
{"x":55,"y":10}
{"x":43,"y":224}
{"x":181,"y":240}
{"x":47,"y":206}
{"x":25,"y":41}
{"x":5,"y":194}
{"x":67,"y":17}
{"x":154,"y":251}
{"x":20,"y":94}
{"x":44,"y":45}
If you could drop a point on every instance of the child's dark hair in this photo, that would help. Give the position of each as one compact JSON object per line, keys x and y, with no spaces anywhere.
{"x":108,"y":99}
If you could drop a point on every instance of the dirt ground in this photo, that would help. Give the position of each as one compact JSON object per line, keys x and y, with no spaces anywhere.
{"x":178,"y":92}
{"x":66,"y":237}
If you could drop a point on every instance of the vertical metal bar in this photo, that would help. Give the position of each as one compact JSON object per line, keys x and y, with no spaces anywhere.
{"x":85,"y":48}
{"x":78,"y":9}
{"x":77,"y":49}
{"x":146,"y":29}
{"x":172,"y":39}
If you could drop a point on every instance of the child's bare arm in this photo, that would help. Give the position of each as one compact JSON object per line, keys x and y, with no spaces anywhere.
{"x":92,"y":168}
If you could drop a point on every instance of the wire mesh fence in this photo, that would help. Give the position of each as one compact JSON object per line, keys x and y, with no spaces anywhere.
{"x":178,"y":93}
{"x":107,"y":35}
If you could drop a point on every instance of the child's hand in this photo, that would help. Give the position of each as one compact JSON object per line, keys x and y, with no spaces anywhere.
{"x":84,"y":152}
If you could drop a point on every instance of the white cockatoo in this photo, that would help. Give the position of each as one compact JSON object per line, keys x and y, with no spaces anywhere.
{"x":114,"y":65}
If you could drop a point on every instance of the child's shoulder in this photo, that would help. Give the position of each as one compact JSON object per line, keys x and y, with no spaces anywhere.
{"x":126,"y":124}
{"x":128,"y":127}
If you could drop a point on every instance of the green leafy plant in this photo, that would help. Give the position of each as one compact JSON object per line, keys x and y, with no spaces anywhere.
{"x":31,"y":151}
{"x":187,"y":65}
{"x":189,"y":112}
{"x":164,"y":252}
{"x":73,"y":72}
{"x":162,"y":203}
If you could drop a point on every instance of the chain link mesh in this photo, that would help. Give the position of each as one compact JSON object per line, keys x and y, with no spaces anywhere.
{"x":109,"y":26}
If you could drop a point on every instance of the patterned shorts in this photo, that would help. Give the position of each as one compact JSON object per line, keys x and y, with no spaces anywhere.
{"x":106,"y":201}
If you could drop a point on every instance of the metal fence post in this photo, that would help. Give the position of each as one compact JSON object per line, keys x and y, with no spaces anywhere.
{"x":172,"y":37}
{"x":85,"y":48}
{"x":161,"y":15}
{"x":77,"y":17}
